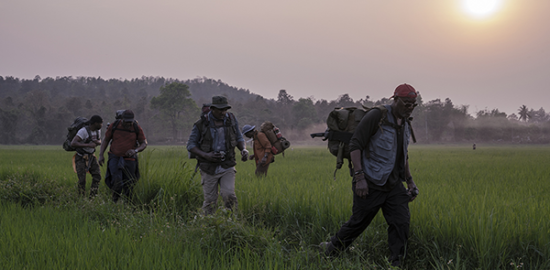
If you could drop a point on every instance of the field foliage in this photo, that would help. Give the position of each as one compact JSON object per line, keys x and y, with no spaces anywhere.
{"x":482,"y":209}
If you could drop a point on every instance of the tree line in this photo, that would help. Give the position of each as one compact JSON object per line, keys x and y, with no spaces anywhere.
{"x":38,"y":111}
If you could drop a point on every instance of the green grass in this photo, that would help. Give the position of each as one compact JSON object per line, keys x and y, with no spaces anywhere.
{"x":482,"y":209}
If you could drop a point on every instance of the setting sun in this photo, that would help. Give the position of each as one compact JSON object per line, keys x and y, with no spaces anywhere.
{"x":481,"y":8}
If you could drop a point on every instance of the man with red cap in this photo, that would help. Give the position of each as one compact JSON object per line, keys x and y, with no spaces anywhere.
{"x":379,"y":154}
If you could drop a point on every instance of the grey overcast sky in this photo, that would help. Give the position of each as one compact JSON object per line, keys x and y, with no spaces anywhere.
{"x":311,"y":48}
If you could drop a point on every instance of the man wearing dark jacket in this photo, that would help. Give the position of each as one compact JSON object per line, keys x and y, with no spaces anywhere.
{"x":379,"y":154}
{"x":213,"y":140}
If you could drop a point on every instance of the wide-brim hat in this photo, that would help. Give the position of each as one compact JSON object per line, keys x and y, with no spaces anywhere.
{"x":248,"y":128}
{"x":219,"y":102}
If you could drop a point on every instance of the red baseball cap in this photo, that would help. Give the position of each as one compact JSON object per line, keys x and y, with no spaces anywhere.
{"x":404,"y":90}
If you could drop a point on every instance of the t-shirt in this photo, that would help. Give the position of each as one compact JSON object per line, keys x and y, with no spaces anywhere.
{"x":123,"y":139}
{"x":83,"y":135}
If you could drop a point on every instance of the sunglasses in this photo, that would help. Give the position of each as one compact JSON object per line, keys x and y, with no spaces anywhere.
{"x":409,"y":104}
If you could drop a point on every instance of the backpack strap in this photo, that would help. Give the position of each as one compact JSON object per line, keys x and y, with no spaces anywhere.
{"x":89,"y":133}
{"x":136,"y":128}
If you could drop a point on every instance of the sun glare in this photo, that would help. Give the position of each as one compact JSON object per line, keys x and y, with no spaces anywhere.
{"x":481,"y":8}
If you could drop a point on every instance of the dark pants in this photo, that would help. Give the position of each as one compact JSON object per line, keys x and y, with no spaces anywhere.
{"x":83,"y":164}
{"x":261,"y":170}
{"x":395,"y":207}
{"x":121,"y":176}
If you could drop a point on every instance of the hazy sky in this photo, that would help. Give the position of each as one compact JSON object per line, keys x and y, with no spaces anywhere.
{"x":311,"y":48}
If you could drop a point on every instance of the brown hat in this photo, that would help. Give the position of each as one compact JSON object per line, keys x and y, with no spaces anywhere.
{"x":219,"y":102}
{"x":128,"y":116}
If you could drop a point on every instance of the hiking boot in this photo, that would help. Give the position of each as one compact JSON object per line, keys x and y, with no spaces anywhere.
{"x":395,"y":261}
{"x":327,"y":249}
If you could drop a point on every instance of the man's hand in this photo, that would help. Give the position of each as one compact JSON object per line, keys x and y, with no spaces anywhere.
{"x":130,"y":153}
{"x":213,"y":157}
{"x":244,"y":155}
{"x":251,"y":157}
{"x":412,"y":190}
{"x":101,"y":160}
{"x":263,"y":161}
{"x":361,"y":186}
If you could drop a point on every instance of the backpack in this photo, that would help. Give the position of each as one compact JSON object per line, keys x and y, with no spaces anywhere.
{"x":341,"y":124}
{"x":275,"y":137}
{"x":77,"y":124}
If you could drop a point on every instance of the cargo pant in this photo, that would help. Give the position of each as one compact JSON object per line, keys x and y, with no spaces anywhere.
{"x":395,"y":207}
{"x":226,"y":181}
{"x":83,"y":164}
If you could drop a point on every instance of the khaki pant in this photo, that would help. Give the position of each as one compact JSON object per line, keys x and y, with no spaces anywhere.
{"x":84,"y":164}
{"x":226,"y":181}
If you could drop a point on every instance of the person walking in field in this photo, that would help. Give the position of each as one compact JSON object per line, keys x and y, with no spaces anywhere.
{"x":85,"y":142}
{"x":127,"y":139}
{"x":379,"y":154}
{"x":263,"y":150}
{"x":213,"y":140}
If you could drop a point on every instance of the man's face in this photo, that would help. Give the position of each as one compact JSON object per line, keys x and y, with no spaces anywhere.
{"x":97,"y":126}
{"x":405,"y":106}
{"x":218,"y":113}
{"x":249,"y":134}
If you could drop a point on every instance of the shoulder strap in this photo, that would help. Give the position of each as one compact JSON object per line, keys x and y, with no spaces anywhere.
{"x":136,"y":129}
{"x":115,"y":125}
{"x":89,"y":133}
{"x":231,"y":119}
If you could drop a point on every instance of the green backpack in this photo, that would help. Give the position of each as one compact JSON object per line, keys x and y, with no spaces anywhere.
{"x":341,"y":124}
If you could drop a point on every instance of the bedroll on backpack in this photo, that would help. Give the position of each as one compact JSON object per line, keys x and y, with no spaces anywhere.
{"x":77,"y":124}
{"x":275,"y":137}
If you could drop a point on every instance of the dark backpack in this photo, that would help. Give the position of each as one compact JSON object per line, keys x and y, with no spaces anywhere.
{"x":275,"y":137}
{"x":341,"y":124}
{"x":77,"y":124}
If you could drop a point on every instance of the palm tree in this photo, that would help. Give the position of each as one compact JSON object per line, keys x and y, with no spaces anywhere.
{"x":523,"y":113}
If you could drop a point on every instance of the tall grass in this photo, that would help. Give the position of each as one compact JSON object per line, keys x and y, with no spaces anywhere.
{"x":482,"y":209}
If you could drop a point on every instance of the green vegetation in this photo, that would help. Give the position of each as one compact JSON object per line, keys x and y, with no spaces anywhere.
{"x":482,"y":209}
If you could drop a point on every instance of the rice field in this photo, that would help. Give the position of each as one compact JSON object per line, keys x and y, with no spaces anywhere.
{"x":482,"y":209}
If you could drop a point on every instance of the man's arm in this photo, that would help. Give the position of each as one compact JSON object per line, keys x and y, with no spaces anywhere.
{"x":104,"y":143}
{"x":142,"y":144}
{"x":78,"y":143}
{"x":413,"y":189}
{"x":240,"y":142}
{"x":360,"y":140}
{"x":193,"y":146}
